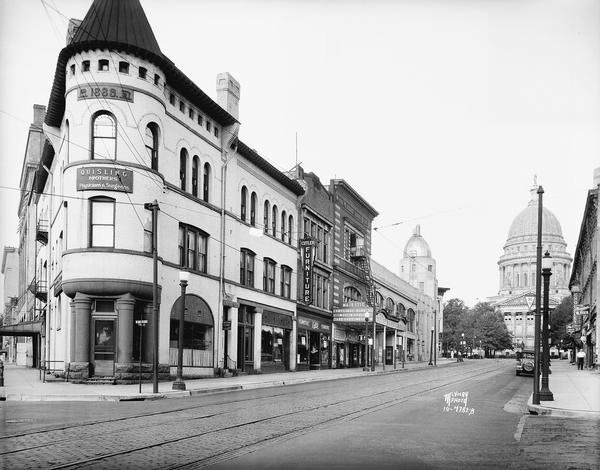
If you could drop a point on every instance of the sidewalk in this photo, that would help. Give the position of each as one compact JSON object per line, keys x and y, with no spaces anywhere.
{"x":576,"y":392}
{"x":24,"y":384}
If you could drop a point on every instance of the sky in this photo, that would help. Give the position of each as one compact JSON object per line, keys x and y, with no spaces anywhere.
{"x":438,"y":112}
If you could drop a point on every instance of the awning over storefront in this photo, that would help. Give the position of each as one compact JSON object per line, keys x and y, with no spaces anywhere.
{"x":29,"y":328}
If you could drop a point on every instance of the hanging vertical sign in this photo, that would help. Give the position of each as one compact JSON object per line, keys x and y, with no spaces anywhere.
{"x":307,"y":245}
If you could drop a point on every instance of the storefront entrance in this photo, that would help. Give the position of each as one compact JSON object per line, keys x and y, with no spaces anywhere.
{"x":104,"y":348}
{"x":245,"y":339}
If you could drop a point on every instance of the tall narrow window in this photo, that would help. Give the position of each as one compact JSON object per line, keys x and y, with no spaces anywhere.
{"x":102,"y":222}
{"x":253,"y":200}
{"x":286,"y":281}
{"x":67,"y":141}
{"x":193,"y":246}
{"x":104,"y":136}
{"x":267,"y":209}
{"x":142,"y":73}
{"x":274,"y":220}
{"x":151,"y":142}
{"x":195,"y":164}
{"x":243,"y":203}
{"x":85,"y":66}
{"x":290,"y":228}
{"x":269,"y":275}
{"x":206,"y":182}
{"x":183,"y":158}
{"x":246,"y":267}
{"x":283,"y":222}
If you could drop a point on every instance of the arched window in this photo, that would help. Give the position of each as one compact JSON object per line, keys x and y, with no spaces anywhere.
{"x":351,"y":294}
{"x":183,"y":158}
{"x":206,"y":182}
{"x":400,"y":310}
{"x":253,"y":199}
{"x":378,"y":299}
{"x":195,"y":165}
{"x":389,"y":305}
{"x":290,"y":228}
{"x":267,"y":209}
{"x":104,"y":136}
{"x":243,"y":203}
{"x":274,"y":220}
{"x":283,"y":222}
{"x":151,"y":141}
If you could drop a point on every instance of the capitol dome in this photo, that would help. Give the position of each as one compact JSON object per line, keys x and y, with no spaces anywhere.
{"x":525,"y":224}
{"x":416,"y":245}
{"x":517,"y":264}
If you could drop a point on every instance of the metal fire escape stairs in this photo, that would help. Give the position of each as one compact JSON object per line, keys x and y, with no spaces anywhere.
{"x":361,"y":259}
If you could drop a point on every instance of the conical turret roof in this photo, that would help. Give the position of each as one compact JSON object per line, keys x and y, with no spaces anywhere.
{"x":120,"y":22}
{"x":122,"y":25}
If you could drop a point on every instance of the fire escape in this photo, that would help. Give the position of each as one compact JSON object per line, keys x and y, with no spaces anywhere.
{"x":39,"y":285}
{"x":361,"y":259}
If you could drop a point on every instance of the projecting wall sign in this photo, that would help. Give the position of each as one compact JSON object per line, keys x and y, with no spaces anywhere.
{"x":104,"y":178}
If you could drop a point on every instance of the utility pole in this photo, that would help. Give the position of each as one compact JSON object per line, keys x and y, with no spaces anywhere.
{"x":153,"y":206}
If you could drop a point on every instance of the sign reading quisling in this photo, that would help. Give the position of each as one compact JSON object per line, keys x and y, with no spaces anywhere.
{"x":104,"y":178}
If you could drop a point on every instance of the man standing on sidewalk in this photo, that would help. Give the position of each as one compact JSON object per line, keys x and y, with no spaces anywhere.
{"x":580,"y":358}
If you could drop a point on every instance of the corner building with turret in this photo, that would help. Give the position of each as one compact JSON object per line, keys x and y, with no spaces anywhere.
{"x":127,"y":131}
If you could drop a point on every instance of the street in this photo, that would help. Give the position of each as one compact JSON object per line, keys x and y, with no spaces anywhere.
{"x":471,"y":416}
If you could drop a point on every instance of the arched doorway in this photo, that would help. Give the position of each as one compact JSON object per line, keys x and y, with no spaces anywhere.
{"x":198,"y":335}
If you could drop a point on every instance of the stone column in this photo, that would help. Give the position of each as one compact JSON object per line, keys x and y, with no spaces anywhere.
{"x":257,"y":337}
{"x":232,"y":336}
{"x":80,"y":366}
{"x":72,"y":331}
{"x":125,"y":305}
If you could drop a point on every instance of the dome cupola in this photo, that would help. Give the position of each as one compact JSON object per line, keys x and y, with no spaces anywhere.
{"x":416,"y":245}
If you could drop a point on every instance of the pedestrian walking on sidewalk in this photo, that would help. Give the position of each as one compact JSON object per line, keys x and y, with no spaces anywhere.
{"x":580,"y":358}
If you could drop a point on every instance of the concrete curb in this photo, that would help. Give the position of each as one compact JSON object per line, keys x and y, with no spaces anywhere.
{"x":544,"y":410}
{"x":204,"y":391}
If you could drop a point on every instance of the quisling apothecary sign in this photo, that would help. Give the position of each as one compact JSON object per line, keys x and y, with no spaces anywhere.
{"x":104,"y":178}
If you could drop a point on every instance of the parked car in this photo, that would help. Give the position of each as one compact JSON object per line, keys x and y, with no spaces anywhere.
{"x":525,"y":362}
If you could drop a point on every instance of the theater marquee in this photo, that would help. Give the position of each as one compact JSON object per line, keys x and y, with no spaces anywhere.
{"x":104,"y":178}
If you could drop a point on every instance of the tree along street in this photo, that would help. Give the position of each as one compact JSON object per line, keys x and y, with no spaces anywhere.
{"x":470,"y":416}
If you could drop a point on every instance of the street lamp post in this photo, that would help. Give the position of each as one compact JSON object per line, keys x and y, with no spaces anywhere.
{"x":179,"y":384}
{"x":366,"y":358}
{"x":431,"y":347}
{"x":538,"y":302}
{"x":545,"y":393}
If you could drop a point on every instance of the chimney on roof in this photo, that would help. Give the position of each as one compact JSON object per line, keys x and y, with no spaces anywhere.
{"x":72,"y":29}
{"x":228,"y":93}
{"x":39,"y":114}
{"x":597,"y":177}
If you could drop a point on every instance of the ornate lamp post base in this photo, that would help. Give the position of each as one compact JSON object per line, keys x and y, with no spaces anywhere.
{"x":179,"y":385}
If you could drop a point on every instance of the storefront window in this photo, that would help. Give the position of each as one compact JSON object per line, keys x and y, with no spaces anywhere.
{"x":271,"y":349}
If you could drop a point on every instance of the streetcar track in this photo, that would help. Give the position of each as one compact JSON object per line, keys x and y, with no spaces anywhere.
{"x":466,"y":375}
{"x":52,"y":428}
{"x":252,"y":447}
